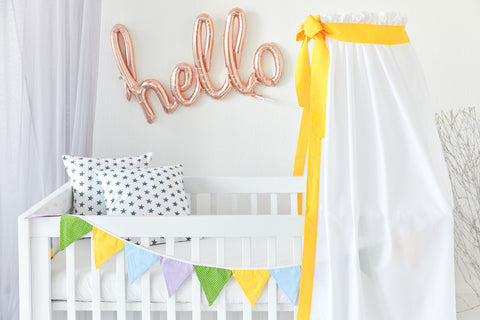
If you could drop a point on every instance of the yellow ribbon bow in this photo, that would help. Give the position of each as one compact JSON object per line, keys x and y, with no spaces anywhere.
{"x":311,"y":84}
{"x":312,"y":96}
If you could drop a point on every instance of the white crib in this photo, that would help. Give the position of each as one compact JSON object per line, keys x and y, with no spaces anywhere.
{"x":248,"y":214}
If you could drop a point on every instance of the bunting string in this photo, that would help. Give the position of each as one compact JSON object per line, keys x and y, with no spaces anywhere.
{"x":140,"y":259}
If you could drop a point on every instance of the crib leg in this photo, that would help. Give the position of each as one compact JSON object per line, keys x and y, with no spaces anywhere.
{"x":41,"y":283}
{"x":25,"y":275}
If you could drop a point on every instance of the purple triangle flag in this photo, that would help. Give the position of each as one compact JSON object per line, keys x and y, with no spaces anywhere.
{"x":175,"y":272}
{"x":138,"y":261}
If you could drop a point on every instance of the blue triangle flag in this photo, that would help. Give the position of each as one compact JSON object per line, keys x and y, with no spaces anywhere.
{"x":288,"y":279}
{"x":138,"y":261}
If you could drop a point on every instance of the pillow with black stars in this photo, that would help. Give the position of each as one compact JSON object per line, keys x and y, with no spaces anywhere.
{"x":145,"y":191}
{"x":88,"y":196}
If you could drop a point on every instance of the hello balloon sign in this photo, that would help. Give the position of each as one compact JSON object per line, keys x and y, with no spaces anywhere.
{"x":196,"y":79}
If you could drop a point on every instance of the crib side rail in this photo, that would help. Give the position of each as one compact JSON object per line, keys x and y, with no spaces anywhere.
{"x":57,"y":203}
{"x":60,"y":201}
{"x":226,"y":226}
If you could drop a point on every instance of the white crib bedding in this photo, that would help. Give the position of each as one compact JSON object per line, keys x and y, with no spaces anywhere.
{"x":233,"y":255}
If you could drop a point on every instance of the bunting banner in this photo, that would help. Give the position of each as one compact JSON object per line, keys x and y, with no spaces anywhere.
{"x":288,"y":279}
{"x":71,"y":229}
{"x":138,"y":261}
{"x":175,"y":273}
{"x":251,"y":282}
{"x":212,"y":281}
{"x":104,"y":246}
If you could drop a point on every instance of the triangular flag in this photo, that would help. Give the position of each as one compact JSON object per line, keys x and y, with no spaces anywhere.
{"x":72,"y":228}
{"x":251,"y":282}
{"x":288,"y":279}
{"x":212,"y":280}
{"x":138,"y":261}
{"x":104,"y":246}
{"x":175,"y":272}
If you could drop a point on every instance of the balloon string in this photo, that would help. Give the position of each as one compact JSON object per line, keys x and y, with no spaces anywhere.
{"x":267,"y":99}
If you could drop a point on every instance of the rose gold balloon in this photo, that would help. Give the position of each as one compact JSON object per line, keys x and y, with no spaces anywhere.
{"x":156,"y":86}
{"x":178,"y":87}
{"x":233,"y":46}
{"x":184,"y":76}
{"x":258,"y":64}
{"x":202,"y":56}
{"x":125,"y":61}
{"x":126,"y":65}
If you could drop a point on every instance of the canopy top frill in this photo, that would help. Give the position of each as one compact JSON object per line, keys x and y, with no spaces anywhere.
{"x":382,"y":18}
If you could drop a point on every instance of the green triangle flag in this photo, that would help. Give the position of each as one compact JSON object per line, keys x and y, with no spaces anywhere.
{"x":72,"y":228}
{"x":212,"y":281}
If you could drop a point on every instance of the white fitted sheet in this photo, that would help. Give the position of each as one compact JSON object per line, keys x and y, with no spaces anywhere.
{"x":233,"y":253}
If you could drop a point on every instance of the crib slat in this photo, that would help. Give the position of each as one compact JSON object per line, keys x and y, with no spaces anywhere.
{"x":293,"y":204}
{"x":297,"y":250}
{"x":304,"y":202}
{"x":272,"y":286}
{"x":221,"y":300}
{"x":246,"y":262}
{"x":296,"y":242}
{"x":246,"y":252}
{"x":234,"y":203}
{"x":171,"y":302}
{"x":196,"y":291}
{"x":194,"y":203}
{"x":273,"y":204}
{"x":213,"y":203}
{"x":120,"y":278}
{"x":254,"y":203}
{"x":71,"y":309}
{"x":146,"y":308}
{"x":95,"y":274}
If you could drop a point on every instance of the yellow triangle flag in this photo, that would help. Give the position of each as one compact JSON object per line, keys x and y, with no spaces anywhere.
{"x":251,"y":282}
{"x":104,"y":246}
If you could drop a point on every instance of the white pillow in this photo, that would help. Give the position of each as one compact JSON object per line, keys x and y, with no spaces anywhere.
{"x":88,"y":197}
{"x":145,"y":191}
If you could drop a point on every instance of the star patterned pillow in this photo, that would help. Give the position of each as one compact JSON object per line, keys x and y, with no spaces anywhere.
{"x":88,"y":197}
{"x":145,"y":191}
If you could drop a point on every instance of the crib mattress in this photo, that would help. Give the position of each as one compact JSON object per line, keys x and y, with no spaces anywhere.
{"x":233,"y":253}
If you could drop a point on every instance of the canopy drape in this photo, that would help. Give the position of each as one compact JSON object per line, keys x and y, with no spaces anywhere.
{"x":384,"y":226}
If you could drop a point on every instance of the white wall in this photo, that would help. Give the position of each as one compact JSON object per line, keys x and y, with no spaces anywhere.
{"x":239,"y":135}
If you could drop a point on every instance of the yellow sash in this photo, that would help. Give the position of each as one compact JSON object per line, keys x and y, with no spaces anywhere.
{"x":311,"y":82}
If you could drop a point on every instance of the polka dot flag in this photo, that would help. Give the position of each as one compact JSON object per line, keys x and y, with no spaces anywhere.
{"x":212,"y":281}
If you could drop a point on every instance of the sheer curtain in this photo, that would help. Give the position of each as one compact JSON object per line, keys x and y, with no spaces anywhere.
{"x":48,"y":63}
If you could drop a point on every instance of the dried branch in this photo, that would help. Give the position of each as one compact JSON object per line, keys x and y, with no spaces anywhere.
{"x":459,"y":132}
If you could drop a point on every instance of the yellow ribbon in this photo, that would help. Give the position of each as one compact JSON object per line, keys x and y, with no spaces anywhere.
{"x":311,"y":83}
